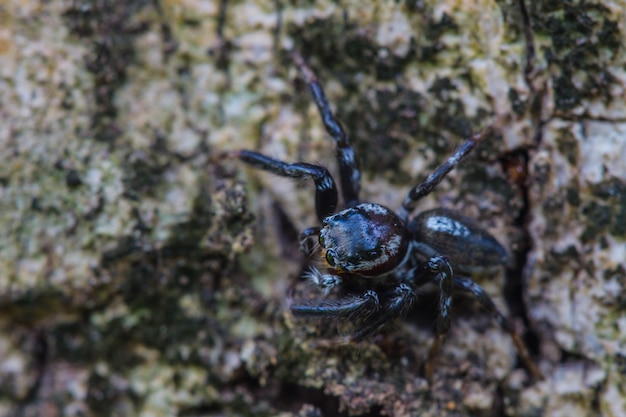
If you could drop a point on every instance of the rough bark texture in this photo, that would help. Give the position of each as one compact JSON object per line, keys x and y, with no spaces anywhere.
{"x":140,"y":275}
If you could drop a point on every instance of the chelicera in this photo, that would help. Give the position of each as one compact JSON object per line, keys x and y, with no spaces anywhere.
{"x":390,"y":254}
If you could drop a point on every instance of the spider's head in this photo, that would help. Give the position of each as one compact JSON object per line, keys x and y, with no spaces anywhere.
{"x":367,"y":239}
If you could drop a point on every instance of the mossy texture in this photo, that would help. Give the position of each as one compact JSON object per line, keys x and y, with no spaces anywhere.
{"x":143,"y":274}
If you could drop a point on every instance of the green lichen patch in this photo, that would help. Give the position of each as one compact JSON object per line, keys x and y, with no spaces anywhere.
{"x":585,"y":38}
{"x":613,"y":216}
{"x":111,"y":28}
{"x":518,"y":104}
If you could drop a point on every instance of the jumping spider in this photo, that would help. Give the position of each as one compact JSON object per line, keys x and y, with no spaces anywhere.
{"x":391,"y":254}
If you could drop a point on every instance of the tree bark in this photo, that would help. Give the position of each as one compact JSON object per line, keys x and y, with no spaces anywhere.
{"x":144,"y":273}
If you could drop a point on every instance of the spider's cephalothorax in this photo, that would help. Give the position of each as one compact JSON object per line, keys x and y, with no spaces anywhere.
{"x":404,"y":252}
{"x":367,"y":239}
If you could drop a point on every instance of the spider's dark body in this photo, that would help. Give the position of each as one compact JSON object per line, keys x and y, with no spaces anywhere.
{"x":366,"y":240}
{"x":467,"y":246}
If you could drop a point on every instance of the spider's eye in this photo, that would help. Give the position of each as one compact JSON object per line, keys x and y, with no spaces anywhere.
{"x":321,"y":240}
{"x":330,"y":259}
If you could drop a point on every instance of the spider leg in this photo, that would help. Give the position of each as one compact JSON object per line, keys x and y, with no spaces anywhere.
{"x":398,"y":305}
{"x":304,"y":238}
{"x":426,"y":187}
{"x":352,"y":308}
{"x":443,"y":270}
{"x":437,"y":268}
{"x":326,"y":282}
{"x":325,"y":189}
{"x":346,"y":157}
{"x":467,"y":285}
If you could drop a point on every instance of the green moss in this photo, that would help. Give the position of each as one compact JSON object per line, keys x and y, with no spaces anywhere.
{"x":567,"y":96}
{"x":433,"y":31}
{"x":567,"y":145}
{"x":558,"y":260}
{"x":584,"y":40}
{"x":598,"y":214}
{"x":382,"y":144}
{"x":517,"y":104}
{"x":598,"y":219}
{"x":572,"y":195}
{"x":336,"y":42}
{"x":611,"y":189}
{"x":613,"y":193}
{"x":110,"y":29}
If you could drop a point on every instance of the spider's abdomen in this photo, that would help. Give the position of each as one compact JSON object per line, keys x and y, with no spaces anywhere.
{"x":468,"y":246}
{"x":367,"y":239}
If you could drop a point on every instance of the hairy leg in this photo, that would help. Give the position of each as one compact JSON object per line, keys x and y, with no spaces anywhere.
{"x":325,"y":189}
{"x":346,"y":157}
{"x":439,"y":270}
{"x":306,"y":247}
{"x":351,"y":308}
{"x":425,"y":187}
{"x":469,"y":286}
{"x":395,"y":306}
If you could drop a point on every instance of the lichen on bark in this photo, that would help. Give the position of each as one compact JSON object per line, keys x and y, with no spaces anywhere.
{"x":142,"y":275}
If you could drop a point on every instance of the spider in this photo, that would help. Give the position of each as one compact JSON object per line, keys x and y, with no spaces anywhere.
{"x":390,"y":254}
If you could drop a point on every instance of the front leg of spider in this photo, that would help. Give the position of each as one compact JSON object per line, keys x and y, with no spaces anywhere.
{"x":398,"y":303}
{"x":325,"y":189}
{"x":325,"y":202}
